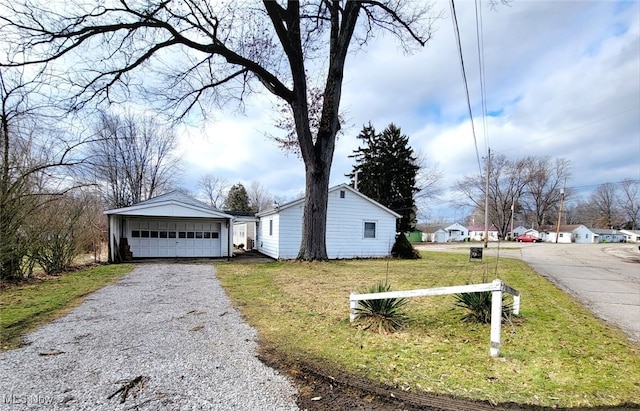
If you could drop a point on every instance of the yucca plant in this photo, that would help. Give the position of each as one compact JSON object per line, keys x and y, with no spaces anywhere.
{"x":477,"y":307}
{"x":384,"y":314}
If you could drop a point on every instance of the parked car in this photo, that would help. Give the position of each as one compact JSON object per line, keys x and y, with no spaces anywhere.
{"x":527,"y":239}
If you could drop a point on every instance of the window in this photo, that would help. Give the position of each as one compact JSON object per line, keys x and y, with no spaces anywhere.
{"x":135,"y":233}
{"x":369,"y":230}
{"x":163,"y":234}
{"x":206,"y":234}
{"x":190,"y":234}
{"x":182,"y":234}
{"x":270,"y":227}
{"x":172,"y":234}
{"x":144,"y":234}
{"x":154,"y":234}
{"x":215,"y":235}
{"x":198,"y":234}
{"x":342,"y":193}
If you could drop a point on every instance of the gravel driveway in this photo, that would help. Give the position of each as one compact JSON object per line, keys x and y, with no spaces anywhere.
{"x":164,"y":337}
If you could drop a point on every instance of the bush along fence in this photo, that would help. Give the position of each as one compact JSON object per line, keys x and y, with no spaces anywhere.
{"x":497,"y":287}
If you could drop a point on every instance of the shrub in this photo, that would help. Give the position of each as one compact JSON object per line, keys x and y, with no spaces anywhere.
{"x":403,"y":248}
{"x":385,"y":314}
{"x":477,"y":307}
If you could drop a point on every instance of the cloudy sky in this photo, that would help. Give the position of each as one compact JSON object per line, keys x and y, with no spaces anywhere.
{"x":562,"y":79}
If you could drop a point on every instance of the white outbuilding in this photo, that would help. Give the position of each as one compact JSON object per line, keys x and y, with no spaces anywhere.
{"x":169,"y":225}
{"x":357,"y":227}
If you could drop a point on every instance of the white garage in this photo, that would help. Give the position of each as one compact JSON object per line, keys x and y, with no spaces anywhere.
{"x":170,"y":225}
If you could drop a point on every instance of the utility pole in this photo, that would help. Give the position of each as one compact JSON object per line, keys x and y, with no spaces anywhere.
{"x":513,"y":209}
{"x":560,"y":212}
{"x":486,"y":202}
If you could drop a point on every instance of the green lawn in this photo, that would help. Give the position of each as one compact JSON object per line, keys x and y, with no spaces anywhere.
{"x":555,"y":354}
{"x":23,"y":308}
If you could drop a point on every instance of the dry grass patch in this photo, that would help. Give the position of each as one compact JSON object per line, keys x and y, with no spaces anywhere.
{"x":555,"y":354}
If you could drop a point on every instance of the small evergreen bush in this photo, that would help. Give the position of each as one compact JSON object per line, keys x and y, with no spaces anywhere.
{"x":403,"y":248}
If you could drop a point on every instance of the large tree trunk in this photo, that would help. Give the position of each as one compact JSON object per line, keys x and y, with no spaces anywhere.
{"x":314,"y":227}
{"x":318,"y":156}
{"x":314,"y":220}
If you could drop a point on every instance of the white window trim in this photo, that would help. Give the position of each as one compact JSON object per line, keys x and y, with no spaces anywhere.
{"x":375,"y":229}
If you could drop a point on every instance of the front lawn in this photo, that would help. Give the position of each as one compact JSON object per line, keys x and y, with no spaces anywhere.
{"x":555,"y":354}
{"x":24,"y":307}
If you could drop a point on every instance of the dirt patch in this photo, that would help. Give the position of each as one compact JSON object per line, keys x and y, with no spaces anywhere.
{"x":323,"y":389}
{"x":250,"y":257}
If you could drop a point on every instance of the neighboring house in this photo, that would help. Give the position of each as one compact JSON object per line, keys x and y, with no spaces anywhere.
{"x":520,"y":230}
{"x":631,"y":236}
{"x":169,"y":225}
{"x":244,"y":229}
{"x":357,"y":227}
{"x":572,"y":233}
{"x":476,"y":233}
{"x":608,"y":236}
{"x":444,"y":233}
{"x":582,"y":235}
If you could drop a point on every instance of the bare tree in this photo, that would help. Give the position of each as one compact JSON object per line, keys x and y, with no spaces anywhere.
{"x":428,"y":184}
{"x":604,"y":203}
{"x":214,"y":189}
{"x":259,"y":197}
{"x":507,"y":182}
{"x":211,"y":53}
{"x":35,"y":161}
{"x":541,"y":198}
{"x":132,"y":158}
{"x":60,"y":231}
{"x":629,"y":202}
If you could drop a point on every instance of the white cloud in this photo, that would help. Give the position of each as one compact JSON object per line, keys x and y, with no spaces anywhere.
{"x":562,"y":79}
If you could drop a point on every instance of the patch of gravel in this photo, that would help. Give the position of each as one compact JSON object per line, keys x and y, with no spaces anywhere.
{"x":164,"y":337}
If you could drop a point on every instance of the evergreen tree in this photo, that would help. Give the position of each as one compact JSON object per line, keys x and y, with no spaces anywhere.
{"x":385,"y":170}
{"x":237,"y":199}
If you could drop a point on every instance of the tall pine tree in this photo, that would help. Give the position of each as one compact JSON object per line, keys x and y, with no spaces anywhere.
{"x":385,"y":170}
{"x":237,"y":199}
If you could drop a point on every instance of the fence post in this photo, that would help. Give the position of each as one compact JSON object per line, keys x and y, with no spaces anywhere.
{"x":353,"y":305}
{"x":516,"y":304}
{"x":496,"y":322}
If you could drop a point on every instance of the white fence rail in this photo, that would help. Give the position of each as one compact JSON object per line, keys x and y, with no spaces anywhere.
{"x":497,"y":287}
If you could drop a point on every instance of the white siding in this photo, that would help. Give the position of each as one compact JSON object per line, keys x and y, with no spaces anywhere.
{"x":345,"y":229}
{"x":563,"y":237}
{"x":582,"y":235}
{"x":290,"y":232}
{"x":240,"y":233}
{"x":268,"y":243}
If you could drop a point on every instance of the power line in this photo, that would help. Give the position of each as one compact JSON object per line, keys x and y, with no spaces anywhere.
{"x":483,"y":95}
{"x":456,"y":31}
{"x":570,"y":130}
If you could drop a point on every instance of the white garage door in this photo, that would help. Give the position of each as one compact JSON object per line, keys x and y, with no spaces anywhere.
{"x":181,"y":238}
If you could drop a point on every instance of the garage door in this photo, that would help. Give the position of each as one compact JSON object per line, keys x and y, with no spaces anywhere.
{"x":181,"y":238}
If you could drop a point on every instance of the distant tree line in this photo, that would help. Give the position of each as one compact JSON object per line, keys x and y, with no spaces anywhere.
{"x":531,"y":189}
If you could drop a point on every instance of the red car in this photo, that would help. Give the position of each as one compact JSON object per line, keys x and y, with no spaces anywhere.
{"x":527,"y":239}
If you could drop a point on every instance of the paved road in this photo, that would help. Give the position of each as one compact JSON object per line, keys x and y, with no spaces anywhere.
{"x":605,"y":277}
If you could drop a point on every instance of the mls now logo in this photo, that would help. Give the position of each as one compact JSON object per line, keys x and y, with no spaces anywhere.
{"x":33,"y":399}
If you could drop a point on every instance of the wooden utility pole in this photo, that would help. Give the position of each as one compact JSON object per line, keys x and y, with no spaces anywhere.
{"x":564,"y":185}
{"x":486,"y":202}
